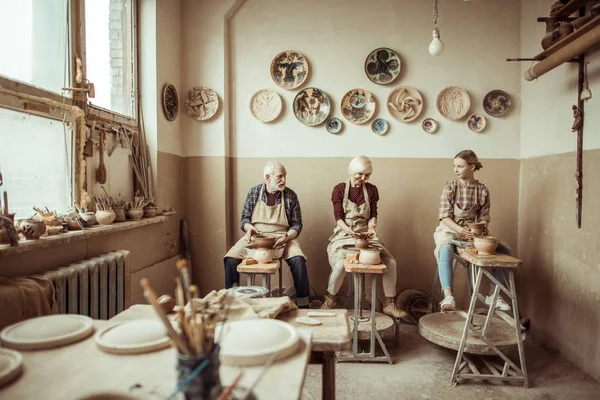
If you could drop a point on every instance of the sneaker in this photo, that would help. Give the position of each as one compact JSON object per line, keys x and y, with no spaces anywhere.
{"x":448,"y":304}
{"x":329,"y":303}
{"x":394,"y":311}
{"x":500,"y":303}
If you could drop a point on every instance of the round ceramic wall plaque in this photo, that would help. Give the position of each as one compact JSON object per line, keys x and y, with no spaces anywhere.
{"x":334,"y":125}
{"x":358,"y":106}
{"x":429,"y":125}
{"x":312,"y":106}
{"x":405,"y":103}
{"x":265,"y":105}
{"x":380,"y":126}
{"x":170,"y":102}
{"x":497,"y":103}
{"x":201,"y":103}
{"x":382,"y":66}
{"x":289,"y":69}
{"x":476,"y":122}
{"x":453,"y":103}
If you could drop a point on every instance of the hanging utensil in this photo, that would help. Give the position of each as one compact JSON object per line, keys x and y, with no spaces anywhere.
{"x":101,"y":172}
{"x":6,"y":203}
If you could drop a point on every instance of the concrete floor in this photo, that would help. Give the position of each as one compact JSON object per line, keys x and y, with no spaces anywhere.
{"x":422,"y":370}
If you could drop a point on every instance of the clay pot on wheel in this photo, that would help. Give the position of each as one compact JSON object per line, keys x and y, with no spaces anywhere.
{"x":264,"y":241}
{"x":263,"y":256}
{"x":486,"y":245}
{"x":369,"y":257}
{"x":361,"y":243}
{"x":476,"y":228}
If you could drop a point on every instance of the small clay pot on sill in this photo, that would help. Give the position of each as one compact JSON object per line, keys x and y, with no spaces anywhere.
{"x":105,"y":217}
{"x":135,"y":214}
{"x":150,"y":212}
{"x":119,"y":214}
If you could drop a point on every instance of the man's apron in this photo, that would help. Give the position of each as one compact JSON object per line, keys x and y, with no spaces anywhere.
{"x":271,"y":220}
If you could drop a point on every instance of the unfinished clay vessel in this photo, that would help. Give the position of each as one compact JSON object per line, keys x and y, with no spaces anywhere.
{"x":150,"y":212}
{"x":369,"y":257}
{"x":105,"y":217}
{"x":119,"y":214}
{"x":476,"y":228}
{"x":486,"y":245}
{"x":264,"y":241}
{"x":263,"y":256}
{"x":135,"y":213}
{"x":361,"y":243}
{"x":32,"y":228}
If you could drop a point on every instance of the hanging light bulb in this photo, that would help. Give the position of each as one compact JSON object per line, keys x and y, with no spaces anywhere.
{"x":586,"y":93}
{"x":436,"y":46}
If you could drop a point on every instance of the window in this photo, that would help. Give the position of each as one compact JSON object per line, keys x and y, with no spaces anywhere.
{"x":52,"y":53}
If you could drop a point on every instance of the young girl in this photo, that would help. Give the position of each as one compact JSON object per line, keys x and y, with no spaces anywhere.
{"x":463,"y":200}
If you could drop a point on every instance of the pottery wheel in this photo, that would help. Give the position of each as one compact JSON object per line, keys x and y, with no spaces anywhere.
{"x":248,"y":291}
{"x":11,"y":366}
{"x":47,"y":332}
{"x":133,"y":337}
{"x":383,"y":324}
{"x":446,"y":330}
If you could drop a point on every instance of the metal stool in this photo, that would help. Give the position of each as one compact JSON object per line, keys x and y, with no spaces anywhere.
{"x":359,"y":272}
{"x":264,"y":271}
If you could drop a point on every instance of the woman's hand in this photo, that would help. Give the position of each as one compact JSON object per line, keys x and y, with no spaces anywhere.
{"x":466,"y":232}
{"x":355,"y":235}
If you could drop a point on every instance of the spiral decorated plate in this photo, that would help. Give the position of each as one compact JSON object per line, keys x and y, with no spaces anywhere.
{"x":383,"y":66}
{"x":380,"y":126}
{"x":497,"y":103}
{"x":405,"y":103}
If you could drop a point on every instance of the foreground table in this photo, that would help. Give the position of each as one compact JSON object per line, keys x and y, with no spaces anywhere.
{"x":81,"y":369}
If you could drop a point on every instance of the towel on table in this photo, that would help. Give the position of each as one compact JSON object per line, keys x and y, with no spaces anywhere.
{"x":25,"y":297}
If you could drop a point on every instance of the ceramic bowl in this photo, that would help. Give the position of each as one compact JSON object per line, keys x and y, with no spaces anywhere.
{"x":88,"y":217}
{"x":429,"y":125}
{"x":334,"y":125}
{"x":263,"y":256}
{"x":105,"y":217}
{"x":476,"y":122}
{"x":150,"y":212}
{"x":383,"y":66}
{"x":476,"y":228}
{"x":135,"y":213}
{"x":486,"y":245}
{"x":380,"y":126}
{"x":358,"y":106}
{"x":264,"y":241}
{"x":369,"y":257}
{"x":405,"y":103}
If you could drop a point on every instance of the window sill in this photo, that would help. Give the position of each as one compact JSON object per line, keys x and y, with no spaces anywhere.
{"x":73,"y":236}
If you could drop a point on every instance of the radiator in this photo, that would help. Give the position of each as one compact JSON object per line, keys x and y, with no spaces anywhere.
{"x":96,"y":287}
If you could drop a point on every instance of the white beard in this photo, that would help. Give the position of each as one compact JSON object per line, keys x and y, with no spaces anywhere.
{"x":273,"y":187}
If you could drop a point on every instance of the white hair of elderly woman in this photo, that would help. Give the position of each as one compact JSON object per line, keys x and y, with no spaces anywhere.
{"x":360,"y":165}
{"x":271,"y":166}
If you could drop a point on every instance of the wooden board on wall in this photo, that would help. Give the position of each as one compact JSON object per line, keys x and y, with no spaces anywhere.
{"x":161,"y":276}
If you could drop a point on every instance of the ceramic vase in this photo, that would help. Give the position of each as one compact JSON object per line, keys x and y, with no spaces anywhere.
{"x":105,"y":217}
{"x":119,"y":214}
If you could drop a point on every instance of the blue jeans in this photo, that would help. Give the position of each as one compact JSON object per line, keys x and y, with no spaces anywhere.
{"x":445,"y":264}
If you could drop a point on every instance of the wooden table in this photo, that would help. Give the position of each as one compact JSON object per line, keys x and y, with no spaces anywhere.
{"x":332,"y":336}
{"x":81,"y":369}
{"x":481,"y":266}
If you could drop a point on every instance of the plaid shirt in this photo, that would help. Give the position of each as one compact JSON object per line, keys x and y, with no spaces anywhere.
{"x":291,"y":203}
{"x":355,"y":195}
{"x":465,"y":199}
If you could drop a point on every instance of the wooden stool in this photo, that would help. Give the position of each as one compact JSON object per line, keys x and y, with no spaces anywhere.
{"x":359,"y":273}
{"x":264,"y":270}
{"x":481,"y":266}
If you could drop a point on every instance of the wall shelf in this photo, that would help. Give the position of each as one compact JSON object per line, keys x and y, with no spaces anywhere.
{"x":569,"y":8}
{"x":579,"y":34}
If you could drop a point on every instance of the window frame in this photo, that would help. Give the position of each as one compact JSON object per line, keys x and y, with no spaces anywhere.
{"x":76,"y":110}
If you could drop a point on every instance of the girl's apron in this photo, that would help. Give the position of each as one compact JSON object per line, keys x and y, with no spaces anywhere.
{"x":443,"y":234}
{"x":271,"y":220}
{"x":357,"y":219}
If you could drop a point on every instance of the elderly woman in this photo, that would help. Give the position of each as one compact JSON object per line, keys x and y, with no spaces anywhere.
{"x":355,"y":212}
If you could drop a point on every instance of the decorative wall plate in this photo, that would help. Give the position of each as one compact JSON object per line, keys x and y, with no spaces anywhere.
{"x":265,"y":105}
{"x":358,"y":106}
{"x":497,"y":103}
{"x":46,"y":332}
{"x":430,"y":125}
{"x":405,"y":103}
{"x":170,"y":102}
{"x":133,"y":337}
{"x":201,"y":103}
{"x":289,"y":69}
{"x":334,"y":125}
{"x":476,"y":122}
{"x":383,"y":66}
{"x":380,"y":126}
{"x":11,"y":365}
{"x":453,"y":103}
{"x":311,"y":106}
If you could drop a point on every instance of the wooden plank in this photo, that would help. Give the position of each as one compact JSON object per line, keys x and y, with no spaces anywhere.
{"x":269,"y":268}
{"x":569,"y":39}
{"x":365,"y":269}
{"x":497,"y":260}
{"x":490,"y":366}
{"x":569,"y":8}
{"x":332,"y":335}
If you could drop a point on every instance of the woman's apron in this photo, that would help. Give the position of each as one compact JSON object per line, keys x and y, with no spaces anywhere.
{"x":271,"y":220}
{"x":357,"y":219}
{"x":443,"y":234}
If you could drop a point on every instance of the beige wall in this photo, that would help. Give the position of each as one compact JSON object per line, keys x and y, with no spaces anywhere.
{"x":559,"y":282}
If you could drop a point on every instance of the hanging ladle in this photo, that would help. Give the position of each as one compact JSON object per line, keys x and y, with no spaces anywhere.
{"x":101,"y":171}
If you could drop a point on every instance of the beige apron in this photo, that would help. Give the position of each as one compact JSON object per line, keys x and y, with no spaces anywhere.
{"x":443,"y":234}
{"x":357,"y":218}
{"x":272,"y":220}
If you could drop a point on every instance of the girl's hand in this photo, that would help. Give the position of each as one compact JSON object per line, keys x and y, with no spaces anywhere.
{"x":467,"y":232}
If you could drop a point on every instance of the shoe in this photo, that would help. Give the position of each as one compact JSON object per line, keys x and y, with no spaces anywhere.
{"x":500,"y":303}
{"x":329,"y":302}
{"x":394,"y":311}
{"x":448,"y":304}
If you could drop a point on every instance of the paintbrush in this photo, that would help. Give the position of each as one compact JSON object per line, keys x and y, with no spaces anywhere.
{"x":230,"y":388}
{"x":152,"y":299}
{"x":182,"y":266}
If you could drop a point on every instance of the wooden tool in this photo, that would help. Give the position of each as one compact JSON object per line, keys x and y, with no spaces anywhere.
{"x":101,"y":172}
{"x":5,"y":194}
{"x":229,"y":389}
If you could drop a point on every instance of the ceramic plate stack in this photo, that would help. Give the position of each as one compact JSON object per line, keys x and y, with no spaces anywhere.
{"x":46,"y":332}
{"x":312,"y":106}
{"x":453,"y":103}
{"x":202,"y":103}
{"x":11,"y":366}
{"x":265,"y":105}
{"x":358,"y":106}
{"x":405,"y":103}
{"x":289,"y":69}
{"x":133,"y":337}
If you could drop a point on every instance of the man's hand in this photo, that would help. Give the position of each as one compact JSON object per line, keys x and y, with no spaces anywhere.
{"x":250,"y":231}
{"x":282,"y":241}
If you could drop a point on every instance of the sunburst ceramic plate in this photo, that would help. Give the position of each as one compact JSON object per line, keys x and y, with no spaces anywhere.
{"x":358,"y":106}
{"x":405,"y":103}
{"x":312,"y":106}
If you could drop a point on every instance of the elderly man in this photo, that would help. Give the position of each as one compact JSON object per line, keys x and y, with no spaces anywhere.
{"x":274,"y":209}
